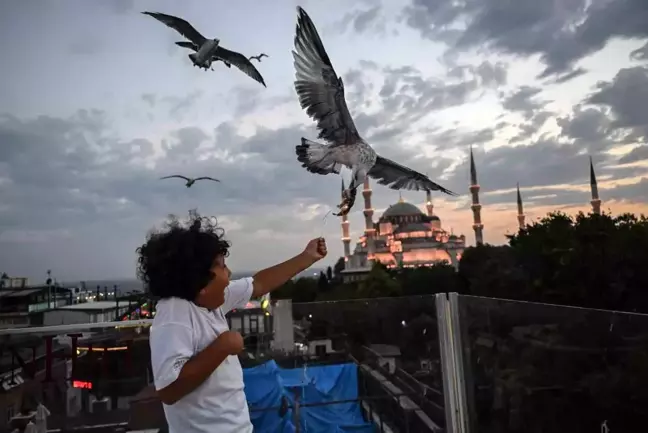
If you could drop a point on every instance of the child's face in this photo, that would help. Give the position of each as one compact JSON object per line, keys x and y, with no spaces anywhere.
{"x":213,"y":294}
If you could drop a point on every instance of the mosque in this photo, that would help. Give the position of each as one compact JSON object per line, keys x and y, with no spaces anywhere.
{"x":406,"y":236}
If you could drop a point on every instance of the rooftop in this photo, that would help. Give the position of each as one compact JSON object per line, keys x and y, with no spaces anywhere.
{"x":96,"y":305}
{"x":402,"y":208}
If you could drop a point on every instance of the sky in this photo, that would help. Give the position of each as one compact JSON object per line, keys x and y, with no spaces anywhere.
{"x":97,"y":103}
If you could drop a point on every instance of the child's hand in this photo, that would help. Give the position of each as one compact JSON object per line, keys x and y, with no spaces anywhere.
{"x":232,"y":342}
{"x":316,"y":249}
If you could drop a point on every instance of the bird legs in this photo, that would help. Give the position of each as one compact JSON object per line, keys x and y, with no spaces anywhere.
{"x":348,"y":199}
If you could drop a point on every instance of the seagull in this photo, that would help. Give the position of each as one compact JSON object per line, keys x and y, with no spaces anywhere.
{"x":191,"y":46}
{"x":228,"y":58}
{"x":259,"y":57}
{"x":206,"y":50}
{"x":321,"y":95}
{"x":189,"y":180}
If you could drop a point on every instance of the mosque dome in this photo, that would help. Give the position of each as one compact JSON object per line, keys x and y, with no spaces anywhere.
{"x":413,"y":227}
{"x":401,"y":208}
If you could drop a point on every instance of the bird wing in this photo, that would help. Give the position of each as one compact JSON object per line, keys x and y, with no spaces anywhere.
{"x":176,"y":175}
{"x":240,"y":61}
{"x":179,"y":25}
{"x":396,"y":176}
{"x":189,"y":45}
{"x":320,"y":91}
{"x":207,"y":178}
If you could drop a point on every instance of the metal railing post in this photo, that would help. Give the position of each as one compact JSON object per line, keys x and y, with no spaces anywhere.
{"x":452,"y":363}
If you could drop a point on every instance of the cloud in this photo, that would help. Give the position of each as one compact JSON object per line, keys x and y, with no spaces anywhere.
{"x":81,"y":186}
{"x":370,"y":20}
{"x":627,"y":98}
{"x":639,"y":153}
{"x":523,"y":100}
{"x":561,"y":33}
{"x":60,"y":173}
{"x":409,"y":94}
{"x":640,"y":54}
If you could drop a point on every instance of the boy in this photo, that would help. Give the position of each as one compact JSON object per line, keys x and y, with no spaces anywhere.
{"x":196,"y":370}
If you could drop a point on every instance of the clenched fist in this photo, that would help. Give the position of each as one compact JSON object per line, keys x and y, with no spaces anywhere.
{"x":231,"y":341}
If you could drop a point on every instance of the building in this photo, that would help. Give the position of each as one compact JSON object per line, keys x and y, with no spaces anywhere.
{"x":25,"y":306}
{"x":406,"y":236}
{"x":23,"y":370}
{"x":87,"y":312}
{"x":403,"y":236}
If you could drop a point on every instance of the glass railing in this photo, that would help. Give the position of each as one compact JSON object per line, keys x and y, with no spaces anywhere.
{"x":364,"y":365}
{"x":532,"y":367}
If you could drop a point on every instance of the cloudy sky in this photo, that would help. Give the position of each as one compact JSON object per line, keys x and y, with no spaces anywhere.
{"x":97,"y":103}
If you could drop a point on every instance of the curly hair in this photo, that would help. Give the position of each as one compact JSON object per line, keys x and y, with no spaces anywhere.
{"x":177,"y":260}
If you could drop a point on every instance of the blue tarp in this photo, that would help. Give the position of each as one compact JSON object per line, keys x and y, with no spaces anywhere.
{"x":266,"y":384}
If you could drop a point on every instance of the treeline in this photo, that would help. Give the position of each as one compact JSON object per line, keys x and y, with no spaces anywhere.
{"x":595,"y":261}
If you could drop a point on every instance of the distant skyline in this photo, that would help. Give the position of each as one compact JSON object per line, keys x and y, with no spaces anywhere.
{"x":97,"y":103}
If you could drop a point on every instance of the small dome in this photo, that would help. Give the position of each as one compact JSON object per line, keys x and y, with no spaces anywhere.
{"x":434,"y":218}
{"x":401,"y":209}
{"x":453,"y":237}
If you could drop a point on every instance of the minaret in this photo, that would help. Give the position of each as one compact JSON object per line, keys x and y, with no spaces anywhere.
{"x":429,"y":206}
{"x":596,"y":201}
{"x":478,"y":227}
{"x":368,"y":213}
{"x":428,"y":203}
{"x":346,"y":239}
{"x":520,"y":215}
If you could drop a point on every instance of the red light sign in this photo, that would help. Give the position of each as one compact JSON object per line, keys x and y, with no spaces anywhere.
{"x":81,"y":384}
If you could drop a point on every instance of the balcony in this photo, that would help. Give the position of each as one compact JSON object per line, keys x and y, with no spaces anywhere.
{"x":444,"y":363}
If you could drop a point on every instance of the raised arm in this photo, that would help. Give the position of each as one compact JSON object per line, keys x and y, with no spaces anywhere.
{"x":269,"y":279}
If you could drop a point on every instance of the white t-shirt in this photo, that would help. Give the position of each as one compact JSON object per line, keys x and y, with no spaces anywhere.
{"x":180,"y":330}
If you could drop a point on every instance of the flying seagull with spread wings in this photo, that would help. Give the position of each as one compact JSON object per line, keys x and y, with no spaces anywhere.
{"x":206,"y":51}
{"x":321,"y":94}
{"x":190,"y":181}
{"x":259,"y":57}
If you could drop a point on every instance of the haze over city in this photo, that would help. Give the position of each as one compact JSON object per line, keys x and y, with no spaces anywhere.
{"x":97,"y":103}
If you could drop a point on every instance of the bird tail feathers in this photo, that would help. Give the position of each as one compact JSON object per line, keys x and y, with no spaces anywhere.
{"x":316,"y":157}
{"x":185,"y":44}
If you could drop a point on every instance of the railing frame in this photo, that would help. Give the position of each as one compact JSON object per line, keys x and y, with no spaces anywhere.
{"x":452,"y":365}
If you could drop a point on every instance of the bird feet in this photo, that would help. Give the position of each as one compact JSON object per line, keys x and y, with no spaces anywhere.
{"x":344,"y":210}
{"x":345,"y":205}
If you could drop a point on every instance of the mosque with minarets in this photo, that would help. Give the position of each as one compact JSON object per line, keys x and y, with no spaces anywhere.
{"x":406,"y":236}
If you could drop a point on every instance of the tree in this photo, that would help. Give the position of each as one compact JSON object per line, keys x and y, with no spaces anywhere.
{"x":379,"y":283}
{"x":322,"y":282}
{"x":329,"y":274}
{"x":338,"y":267}
{"x":425,"y":280}
{"x":300,"y":290}
{"x":487,"y":270}
{"x":587,"y":260}
{"x":595,"y":261}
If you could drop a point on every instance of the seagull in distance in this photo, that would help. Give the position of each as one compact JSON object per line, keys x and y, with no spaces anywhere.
{"x":190,"y":181}
{"x":206,"y":51}
{"x":321,"y":95}
{"x":259,"y":57}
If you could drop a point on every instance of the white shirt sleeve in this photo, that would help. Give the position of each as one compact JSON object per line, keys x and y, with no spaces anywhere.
{"x":237,"y":294}
{"x":171,"y":347}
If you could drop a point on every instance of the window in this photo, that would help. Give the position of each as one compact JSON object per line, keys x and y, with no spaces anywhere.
{"x":254,"y":324}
